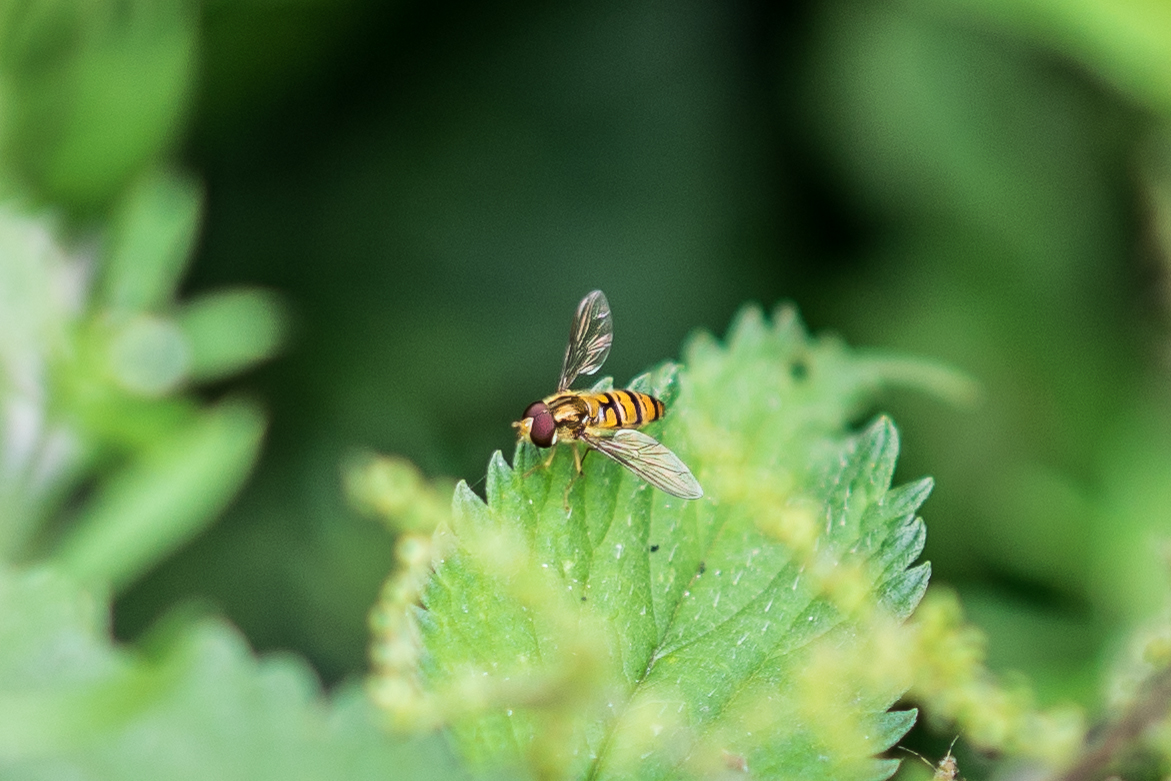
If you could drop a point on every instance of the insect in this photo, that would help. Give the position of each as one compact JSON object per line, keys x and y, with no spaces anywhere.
{"x":947,"y":769}
{"x":607,"y":422}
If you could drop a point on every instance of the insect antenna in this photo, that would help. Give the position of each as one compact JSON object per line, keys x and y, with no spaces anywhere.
{"x":946,"y":769}
{"x":479,"y":484}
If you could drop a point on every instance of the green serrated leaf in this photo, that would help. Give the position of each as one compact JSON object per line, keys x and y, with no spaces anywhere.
{"x":901,"y":548}
{"x":901,"y":594}
{"x":590,"y":626}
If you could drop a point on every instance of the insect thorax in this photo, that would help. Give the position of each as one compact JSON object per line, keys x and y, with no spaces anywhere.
{"x":570,"y":412}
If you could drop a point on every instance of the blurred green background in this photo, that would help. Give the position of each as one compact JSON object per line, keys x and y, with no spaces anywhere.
{"x":431,"y":189}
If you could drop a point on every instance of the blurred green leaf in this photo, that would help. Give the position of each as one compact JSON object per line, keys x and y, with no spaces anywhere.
{"x":230,"y":331}
{"x":89,"y":388}
{"x":163,"y":497}
{"x":1131,"y":541}
{"x":91,"y":92}
{"x":1127,"y":42}
{"x":595,"y":627}
{"x":152,"y":239}
{"x":197,"y":706}
{"x":148,"y":356}
{"x":42,"y":295}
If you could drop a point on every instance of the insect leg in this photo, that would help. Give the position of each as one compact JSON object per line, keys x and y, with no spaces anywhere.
{"x":542,"y":465}
{"x":577,"y":459}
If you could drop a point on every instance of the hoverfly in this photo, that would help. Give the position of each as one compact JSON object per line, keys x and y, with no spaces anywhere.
{"x":607,"y":421}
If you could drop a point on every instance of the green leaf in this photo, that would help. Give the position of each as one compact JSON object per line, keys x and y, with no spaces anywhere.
{"x":153,"y":238}
{"x":1125,"y":42}
{"x":593,"y":627}
{"x":198,"y":706}
{"x":89,"y":379}
{"x":228,"y":331}
{"x":92,"y":91}
{"x":164,"y":497}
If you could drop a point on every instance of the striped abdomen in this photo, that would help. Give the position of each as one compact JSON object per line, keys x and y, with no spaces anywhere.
{"x":620,"y":409}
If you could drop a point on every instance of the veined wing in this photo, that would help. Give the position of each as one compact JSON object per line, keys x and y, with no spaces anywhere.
{"x":647,"y":458}
{"x":589,"y":339}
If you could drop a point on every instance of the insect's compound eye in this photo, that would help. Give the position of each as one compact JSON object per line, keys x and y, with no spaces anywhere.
{"x":543,"y":428}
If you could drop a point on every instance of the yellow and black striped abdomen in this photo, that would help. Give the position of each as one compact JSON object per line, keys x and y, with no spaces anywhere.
{"x":621,"y":409}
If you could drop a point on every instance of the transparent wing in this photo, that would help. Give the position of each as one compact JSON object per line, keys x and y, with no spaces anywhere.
{"x":589,"y":339}
{"x":647,"y":458}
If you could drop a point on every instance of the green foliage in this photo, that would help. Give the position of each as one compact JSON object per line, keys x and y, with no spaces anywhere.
{"x":973,"y":181}
{"x":1128,"y":42}
{"x":162,"y":497}
{"x":194,"y":705}
{"x":90,"y":92}
{"x":95,"y":359}
{"x":594,"y":627}
{"x":151,"y":242}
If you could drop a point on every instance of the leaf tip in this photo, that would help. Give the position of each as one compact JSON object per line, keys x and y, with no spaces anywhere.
{"x":902,"y":594}
{"x":465,"y":502}
{"x":499,"y":477}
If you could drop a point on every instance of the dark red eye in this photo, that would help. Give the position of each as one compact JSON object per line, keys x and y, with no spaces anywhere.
{"x":543,"y":428}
